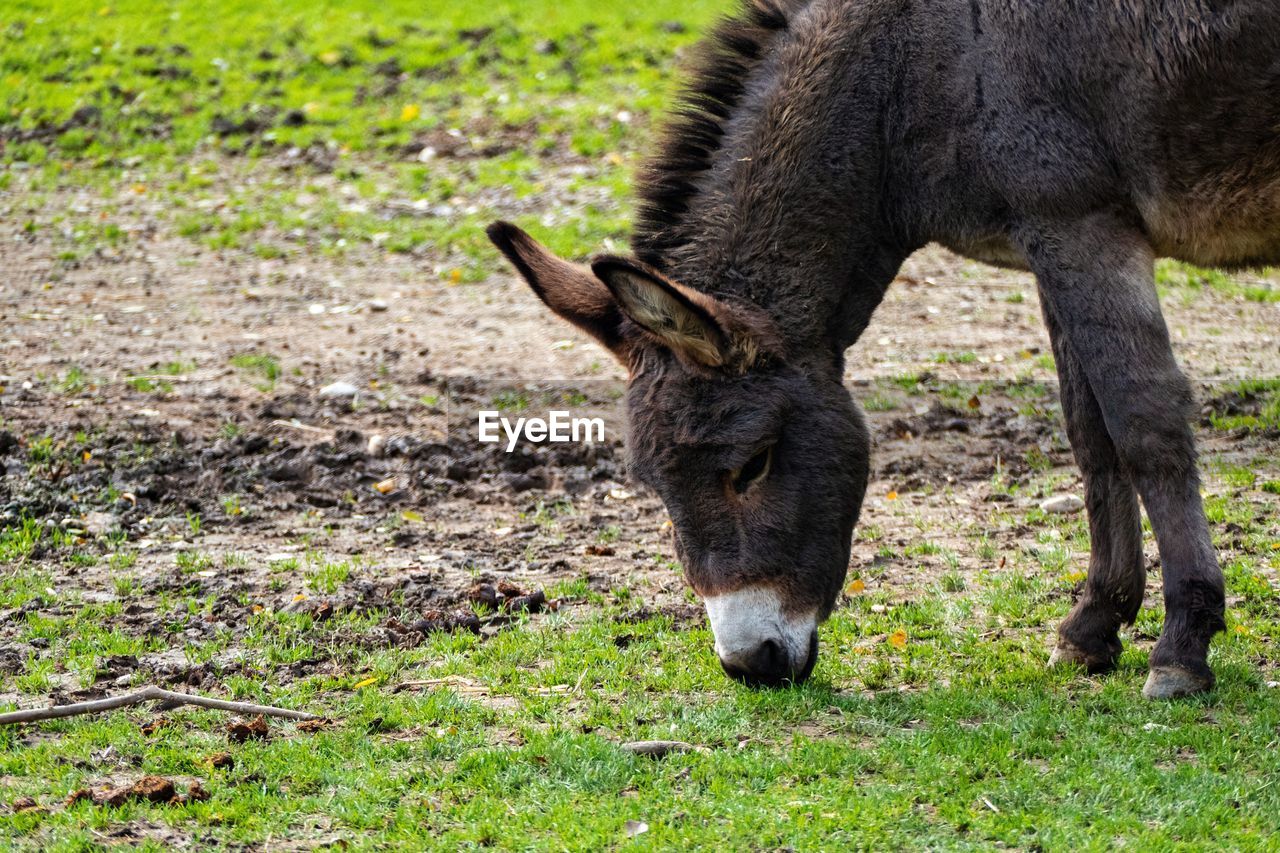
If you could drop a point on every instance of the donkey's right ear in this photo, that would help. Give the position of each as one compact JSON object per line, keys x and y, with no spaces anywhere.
{"x":570,"y":290}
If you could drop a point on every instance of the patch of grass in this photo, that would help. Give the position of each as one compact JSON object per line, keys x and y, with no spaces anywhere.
{"x":964,"y":357}
{"x":189,"y":562}
{"x":1175,"y":274}
{"x":150,"y":385}
{"x":266,"y":367}
{"x":1252,"y":405}
{"x":74,"y":380}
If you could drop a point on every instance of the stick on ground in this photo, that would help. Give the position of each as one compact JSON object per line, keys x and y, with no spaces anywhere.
{"x":148,"y":694}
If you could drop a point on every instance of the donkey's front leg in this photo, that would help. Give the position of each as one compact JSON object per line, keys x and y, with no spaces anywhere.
{"x":1096,"y":282}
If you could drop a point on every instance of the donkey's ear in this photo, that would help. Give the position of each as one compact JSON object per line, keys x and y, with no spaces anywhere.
{"x":567,"y":289}
{"x":679,"y":317}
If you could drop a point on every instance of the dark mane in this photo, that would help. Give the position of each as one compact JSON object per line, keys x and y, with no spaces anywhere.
{"x":721,"y":68}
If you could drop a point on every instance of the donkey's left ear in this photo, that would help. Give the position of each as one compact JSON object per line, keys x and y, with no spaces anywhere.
{"x":686,"y":321}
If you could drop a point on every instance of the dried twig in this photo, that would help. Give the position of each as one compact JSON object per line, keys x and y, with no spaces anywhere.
{"x":301,"y":427}
{"x":658,"y":748}
{"x":147,"y":694}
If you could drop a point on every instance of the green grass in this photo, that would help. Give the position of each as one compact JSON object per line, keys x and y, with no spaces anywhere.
{"x":967,"y":740}
{"x":1175,"y":275}
{"x":265,"y":367}
{"x":1261,"y":411}
{"x":144,"y":102}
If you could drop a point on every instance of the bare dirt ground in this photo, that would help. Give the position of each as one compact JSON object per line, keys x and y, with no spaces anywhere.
{"x":250,"y":471}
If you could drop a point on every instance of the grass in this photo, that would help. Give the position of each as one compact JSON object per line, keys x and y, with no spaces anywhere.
{"x":265,"y":367}
{"x":1189,"y":279}
{"x":1259,"y":410}
{"x":916,"y":731}
{"x":301,"y":128}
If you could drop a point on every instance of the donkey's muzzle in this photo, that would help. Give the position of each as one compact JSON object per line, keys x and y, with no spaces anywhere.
{"x":759,"y":640}
{"x":770,"y":664}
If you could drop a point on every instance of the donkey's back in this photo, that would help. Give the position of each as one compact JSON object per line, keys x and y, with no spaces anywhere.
{"x":1168,"y":112}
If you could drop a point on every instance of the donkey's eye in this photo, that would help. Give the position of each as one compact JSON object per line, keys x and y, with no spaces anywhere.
{"x":755,"y":469}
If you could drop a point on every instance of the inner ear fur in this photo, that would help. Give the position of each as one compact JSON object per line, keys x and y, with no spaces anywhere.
{"x":695,"y":325}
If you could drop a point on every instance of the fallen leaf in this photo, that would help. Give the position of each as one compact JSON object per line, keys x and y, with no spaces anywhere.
{"x":891,"y":496}
{"x":636,"y":827}
{"x":385,"y":486}
{"x":856,"y":587}
{"x":365,"y":683}
{"x":315,"y":725}
{"x":410,"y":515}
{"x":155,"y":725}
{"x":974,"y":402}
{"x":898,"y":639}
{"x":410,"y":112}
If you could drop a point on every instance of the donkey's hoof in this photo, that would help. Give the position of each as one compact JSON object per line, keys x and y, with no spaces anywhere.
{"x":1068,"y":654}
{"x":1173,"y":682}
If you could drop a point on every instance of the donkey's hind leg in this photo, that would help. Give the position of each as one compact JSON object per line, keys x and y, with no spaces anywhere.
{"x":1096,"y":281}
{"x":1113,"y":590}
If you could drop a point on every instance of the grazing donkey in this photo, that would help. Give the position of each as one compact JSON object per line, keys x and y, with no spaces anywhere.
{"x":819,"y":144}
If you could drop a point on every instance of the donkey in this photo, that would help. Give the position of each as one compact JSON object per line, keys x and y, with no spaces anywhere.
{"x":819,"y":144}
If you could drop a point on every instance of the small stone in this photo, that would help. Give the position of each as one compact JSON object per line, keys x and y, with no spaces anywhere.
{"x":1062,"y":505}
{"x":100,"y":523}
{"x":376,"y":445}
{"x":339,"y":390}
{"x":378,"y":305}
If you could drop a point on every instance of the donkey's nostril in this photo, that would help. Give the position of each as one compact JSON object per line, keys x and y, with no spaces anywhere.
{"x":769,"y":664}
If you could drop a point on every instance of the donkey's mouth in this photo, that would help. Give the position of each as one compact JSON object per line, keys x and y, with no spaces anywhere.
{"x":758,"y":642}
{"x":772,"y":668}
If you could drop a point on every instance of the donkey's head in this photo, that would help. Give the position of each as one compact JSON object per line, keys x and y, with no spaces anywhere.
{"x":759,"y":455}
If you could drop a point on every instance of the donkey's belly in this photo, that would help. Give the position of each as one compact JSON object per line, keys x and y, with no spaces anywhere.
{"x":1231,"y":219}
{"x":995,"y":250}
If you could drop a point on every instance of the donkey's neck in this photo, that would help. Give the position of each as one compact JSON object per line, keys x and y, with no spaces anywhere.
{"x":789,"y":216}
